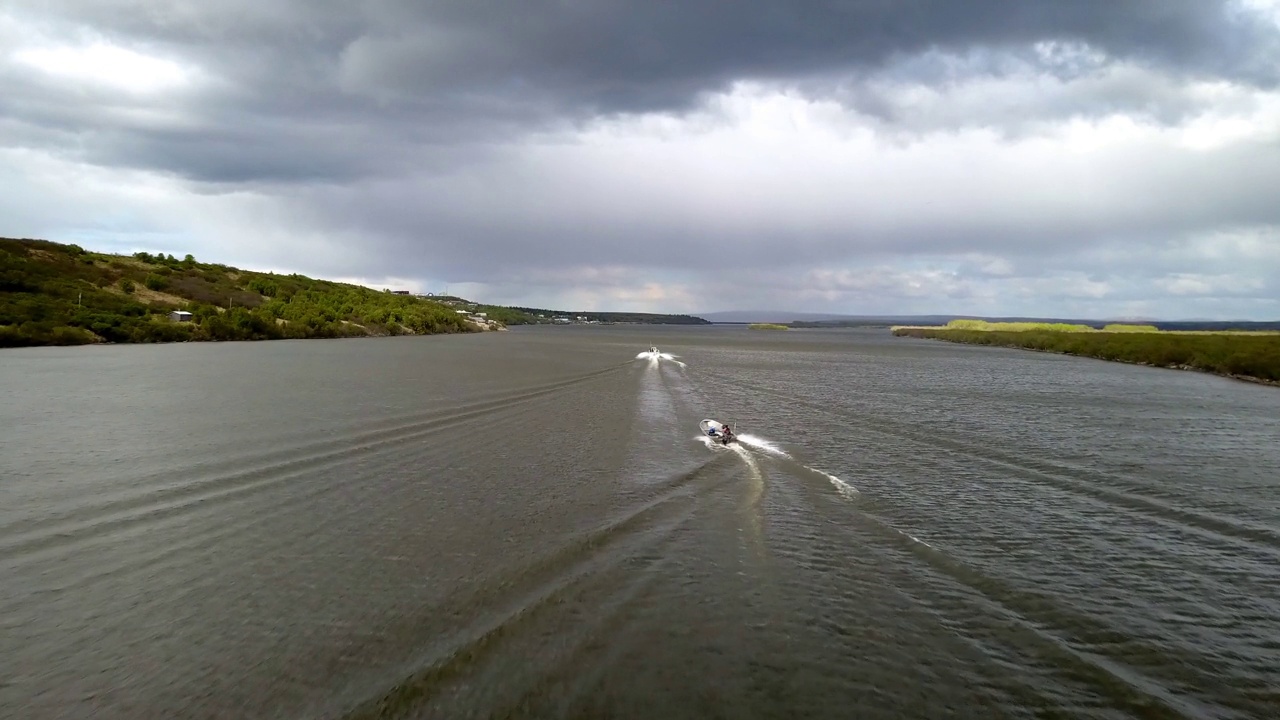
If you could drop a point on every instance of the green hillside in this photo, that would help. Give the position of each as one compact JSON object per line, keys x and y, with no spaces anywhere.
{"x":54,"y":294}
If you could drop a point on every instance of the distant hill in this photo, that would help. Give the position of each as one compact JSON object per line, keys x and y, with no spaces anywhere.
{"x":543,"y":315}
{"x":767,"y":316}
{"x":746,"y":317}
{"x":510,"y":315}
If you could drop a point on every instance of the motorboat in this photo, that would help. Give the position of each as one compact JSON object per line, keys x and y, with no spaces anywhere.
{"x":717,"y":431}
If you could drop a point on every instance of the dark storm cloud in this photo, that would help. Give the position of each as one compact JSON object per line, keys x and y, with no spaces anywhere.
{"x":1017,"y":96}
{"x":630,"y":56}
{"x":296,"y":81}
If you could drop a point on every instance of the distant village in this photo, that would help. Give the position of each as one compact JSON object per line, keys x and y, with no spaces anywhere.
{"x":462,"y":307}
{"x":474,"y":315}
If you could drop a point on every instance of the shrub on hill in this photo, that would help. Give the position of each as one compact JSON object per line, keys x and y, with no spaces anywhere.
{"x":49,"y":295}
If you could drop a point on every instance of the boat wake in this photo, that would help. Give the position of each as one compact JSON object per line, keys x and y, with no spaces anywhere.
{"x":742,"y":441}
{"x":845,"y":489}
{"x":655,"y":356}
{"x":755,"y":442}
{"x":763,"y":445}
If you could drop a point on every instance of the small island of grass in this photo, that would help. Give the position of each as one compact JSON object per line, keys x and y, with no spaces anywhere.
{"x":1241,"y":354}
{"x":767,"y":326}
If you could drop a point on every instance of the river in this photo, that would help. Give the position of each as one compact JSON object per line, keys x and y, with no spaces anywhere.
{"x":526,"y":524}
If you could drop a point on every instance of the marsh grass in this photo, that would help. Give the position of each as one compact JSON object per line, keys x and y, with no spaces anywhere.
{"x":1120,"y":327}
{"x":1245,"y":355}
{"x":1017,"y":326}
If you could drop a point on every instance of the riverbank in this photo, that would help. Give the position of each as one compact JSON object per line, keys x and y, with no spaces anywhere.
{"x":58,"y":294}
{"x":1248,"y":356}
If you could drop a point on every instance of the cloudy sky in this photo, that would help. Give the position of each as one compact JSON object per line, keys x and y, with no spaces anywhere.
{"x":1103,"y":158}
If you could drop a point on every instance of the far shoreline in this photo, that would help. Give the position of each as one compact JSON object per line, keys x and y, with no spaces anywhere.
{"x":1223,"y":354}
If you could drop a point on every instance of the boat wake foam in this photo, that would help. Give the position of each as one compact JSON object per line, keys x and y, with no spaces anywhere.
{"x":842,"y":487}
{"x":762,"y":444}
{"x":655,"y":356}
{"x":747,"y":440}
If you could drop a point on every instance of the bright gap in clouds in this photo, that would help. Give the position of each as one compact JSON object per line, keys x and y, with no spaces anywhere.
{"x":892,"y":220}
{"x":104,"y":64}
{"x":1269,"y":9}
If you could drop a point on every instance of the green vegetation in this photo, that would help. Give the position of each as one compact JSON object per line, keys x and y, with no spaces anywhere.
{"x":1017,"y":326}
{"x":54,"y":294}
{"x":1023,"y":326}
{"x":767,"y":326}
{"x":1252,"y":356}
{"x":1117,"y":327}
{"x":1053,"y":327}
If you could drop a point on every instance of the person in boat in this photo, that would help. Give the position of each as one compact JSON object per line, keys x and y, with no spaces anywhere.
{"x":712,"y":431}
{"x":725,"y":434}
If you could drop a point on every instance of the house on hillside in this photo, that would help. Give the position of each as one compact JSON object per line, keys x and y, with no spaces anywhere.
{"x":180,"y":316}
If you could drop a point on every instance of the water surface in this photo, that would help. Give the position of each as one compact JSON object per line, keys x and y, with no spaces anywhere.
{"x":525,"y":524}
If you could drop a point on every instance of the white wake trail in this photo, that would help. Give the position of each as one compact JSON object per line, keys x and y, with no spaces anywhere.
{"x":655,"y":357}
{"x":846,"y":490}
{"x":745,"y":441}
{"x":762,"y":444}
{"x":842,"y":487}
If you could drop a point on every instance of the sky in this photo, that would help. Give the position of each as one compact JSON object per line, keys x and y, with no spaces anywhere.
{"x":1065,"y":158}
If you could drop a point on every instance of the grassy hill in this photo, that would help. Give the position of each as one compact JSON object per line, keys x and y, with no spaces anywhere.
{"x":54,"y":294}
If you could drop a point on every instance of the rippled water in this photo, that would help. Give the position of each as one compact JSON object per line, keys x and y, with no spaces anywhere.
{"x":526,"y":524}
